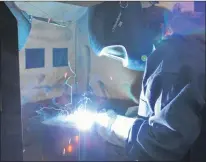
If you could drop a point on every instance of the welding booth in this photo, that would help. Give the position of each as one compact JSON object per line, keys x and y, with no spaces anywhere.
{"x":15,"y":28}
{"x":12,"y":23}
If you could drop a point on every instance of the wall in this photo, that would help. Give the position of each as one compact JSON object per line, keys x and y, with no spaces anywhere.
{"x":44,"y":35}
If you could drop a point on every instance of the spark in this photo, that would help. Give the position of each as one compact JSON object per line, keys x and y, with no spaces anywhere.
{"x":84,"y":101}
{"x":69,"y":85}
{"x":83,"y":119}
{"x":61,"y":109}
{"x":79,"y":116}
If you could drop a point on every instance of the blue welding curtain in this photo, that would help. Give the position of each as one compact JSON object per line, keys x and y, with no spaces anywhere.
{"x":200,"y":6}
{"x":24,"y":24}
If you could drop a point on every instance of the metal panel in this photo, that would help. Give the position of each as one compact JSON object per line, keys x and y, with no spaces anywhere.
{"x":11,"y":127}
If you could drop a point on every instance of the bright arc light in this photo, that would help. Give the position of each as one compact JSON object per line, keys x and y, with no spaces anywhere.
{"x":102,"y":119}
{"x":83,"y":119}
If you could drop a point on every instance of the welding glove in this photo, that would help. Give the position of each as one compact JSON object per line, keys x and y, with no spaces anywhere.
{"x":114,"y":128}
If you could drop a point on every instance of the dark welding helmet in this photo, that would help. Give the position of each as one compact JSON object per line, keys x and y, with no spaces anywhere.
{"x":117,"y":30}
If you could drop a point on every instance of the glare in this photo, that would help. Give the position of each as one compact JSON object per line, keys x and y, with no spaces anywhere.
{"x":102,"y":119}
{"x":84,"y":119}
{"x":76,"y":139}
{"x":69,"y":148}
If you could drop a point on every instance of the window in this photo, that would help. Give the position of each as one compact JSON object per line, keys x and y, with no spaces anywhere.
{"x":34,"y":58}
{"x":60,"y":57}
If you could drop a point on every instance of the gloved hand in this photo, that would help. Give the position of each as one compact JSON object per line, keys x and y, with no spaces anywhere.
{"x":104,"y":122}
{"x":115,"y":128}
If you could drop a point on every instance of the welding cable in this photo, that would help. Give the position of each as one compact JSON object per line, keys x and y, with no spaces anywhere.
{"x":88,"y":54}
{"x":104,"y":89}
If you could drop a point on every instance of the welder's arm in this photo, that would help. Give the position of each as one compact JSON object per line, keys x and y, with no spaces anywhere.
{"x":114,"y":128}
{"x":165,"y":136}
{"x":122,"y":126}
{"x":176,"y":93}
{"x":169,"y":134}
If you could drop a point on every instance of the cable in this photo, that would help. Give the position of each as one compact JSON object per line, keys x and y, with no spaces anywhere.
{"x":48,"y":20}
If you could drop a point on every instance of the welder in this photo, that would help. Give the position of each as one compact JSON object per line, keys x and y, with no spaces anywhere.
{"x":170,"y":48}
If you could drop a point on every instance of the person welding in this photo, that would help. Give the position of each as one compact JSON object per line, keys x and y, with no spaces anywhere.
{"x":170,"y":49}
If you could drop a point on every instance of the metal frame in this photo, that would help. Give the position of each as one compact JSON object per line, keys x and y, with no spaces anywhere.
{"x":11,"y":126}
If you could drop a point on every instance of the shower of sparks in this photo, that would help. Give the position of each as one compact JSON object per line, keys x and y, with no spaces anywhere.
{"x":69,"y":85}
{"x":81,"y":119}
{"x":69,"y":115}
{"x":59,"y":109}
{"x":66,"y":82}
{"x":84,"y":101}
{"x":80,"y":115}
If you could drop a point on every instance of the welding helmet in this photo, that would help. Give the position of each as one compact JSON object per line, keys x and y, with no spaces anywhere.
{"x":117,"y":30}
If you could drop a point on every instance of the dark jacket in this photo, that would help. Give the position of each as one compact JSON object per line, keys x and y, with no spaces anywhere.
{"x":172,"y":98}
